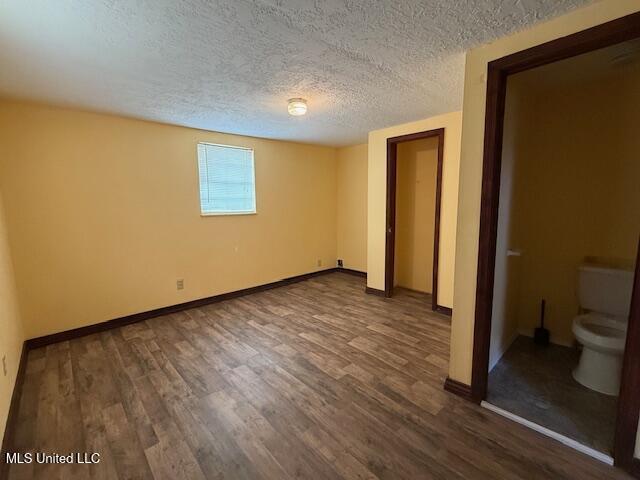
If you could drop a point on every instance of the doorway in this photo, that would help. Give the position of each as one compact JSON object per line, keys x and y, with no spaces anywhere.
{"x":397,"y":270}
{"x":611,"y":33}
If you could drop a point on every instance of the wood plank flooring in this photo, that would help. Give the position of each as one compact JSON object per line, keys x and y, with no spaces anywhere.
{"x":315,"y":380}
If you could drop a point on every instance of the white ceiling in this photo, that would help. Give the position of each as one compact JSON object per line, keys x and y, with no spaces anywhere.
{"x":231,"y":65}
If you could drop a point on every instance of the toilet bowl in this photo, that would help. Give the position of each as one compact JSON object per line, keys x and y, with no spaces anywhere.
{"x":605,"y":293}
{"x":603,"y":341}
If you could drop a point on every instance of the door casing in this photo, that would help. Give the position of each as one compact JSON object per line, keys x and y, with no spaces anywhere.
{"x":392,"y":157}
{"x":610,"y":33}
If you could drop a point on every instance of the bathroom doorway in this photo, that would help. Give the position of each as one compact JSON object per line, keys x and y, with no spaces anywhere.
{"x":515,"y":281}
{"x":414,"y":188}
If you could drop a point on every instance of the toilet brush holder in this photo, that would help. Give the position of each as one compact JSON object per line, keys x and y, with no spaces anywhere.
{"x":541,"y":334}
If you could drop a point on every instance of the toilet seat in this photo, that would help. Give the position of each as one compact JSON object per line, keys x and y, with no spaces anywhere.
{"x":600,"y":332}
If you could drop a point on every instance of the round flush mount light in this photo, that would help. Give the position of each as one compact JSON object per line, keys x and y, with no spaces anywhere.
{"x":297,"y":106}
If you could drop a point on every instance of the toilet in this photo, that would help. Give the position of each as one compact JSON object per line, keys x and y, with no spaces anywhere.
{"x":605,"y":294}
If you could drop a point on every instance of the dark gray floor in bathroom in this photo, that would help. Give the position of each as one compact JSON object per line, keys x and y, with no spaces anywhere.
{"x":535,"y":383}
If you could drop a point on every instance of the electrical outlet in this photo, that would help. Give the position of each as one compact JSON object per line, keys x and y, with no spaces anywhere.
{"x":4,"y":365}
{"x":340,"y":262}
{"x":180,"y":284}
{"x":319,"y":262}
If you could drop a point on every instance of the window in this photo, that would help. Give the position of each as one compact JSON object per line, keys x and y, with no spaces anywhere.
{"x":227,"y":180}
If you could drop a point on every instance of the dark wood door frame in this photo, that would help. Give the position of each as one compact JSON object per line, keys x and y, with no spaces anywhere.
{"x":610,"y":33}
{"x":389,"y":260}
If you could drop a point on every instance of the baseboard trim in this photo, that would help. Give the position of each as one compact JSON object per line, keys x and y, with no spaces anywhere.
{"x":570,"y":442}
{"x":138,"y":317}
{"x":350,"y":271}
{"x":458,"y":388}
{"x":444,"y":310}
{"x":374,"y":291}
{"x":12,"y":416}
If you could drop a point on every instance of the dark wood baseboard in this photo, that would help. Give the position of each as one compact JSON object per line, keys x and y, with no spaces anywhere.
{"x":12,"y":416}
{"x":43,"y":341}
{"x":375,"y":291}
{"x":350,"y":271}
{"x":138,"y":317}
{"x":461,"y":389}
{"x":634,"y":468}
{"x":443,"y":310}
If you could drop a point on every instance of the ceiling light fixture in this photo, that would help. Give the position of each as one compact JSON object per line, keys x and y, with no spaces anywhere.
{"x":297,"y":106}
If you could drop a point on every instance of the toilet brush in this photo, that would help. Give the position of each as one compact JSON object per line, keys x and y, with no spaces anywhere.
{"x":541,"y":334}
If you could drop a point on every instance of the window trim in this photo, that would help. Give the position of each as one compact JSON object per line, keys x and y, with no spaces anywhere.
{"x":255,"y":196}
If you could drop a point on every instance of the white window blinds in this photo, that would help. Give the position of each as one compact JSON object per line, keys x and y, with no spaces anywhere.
{"x":227,"y":180}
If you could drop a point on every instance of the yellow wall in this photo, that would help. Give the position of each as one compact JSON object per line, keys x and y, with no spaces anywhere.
{"x":466,"y":257}
{"x":575,"y":188}
{"x":352,"y":206}
{"x":416,"y":172}
{"x":376,"y":213}
{"x":11,"y":332}
{"x":103,"y":215}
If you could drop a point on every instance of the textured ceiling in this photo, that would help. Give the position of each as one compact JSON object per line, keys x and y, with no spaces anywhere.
{"x":230,"y":65}
{"x":610,"y":63}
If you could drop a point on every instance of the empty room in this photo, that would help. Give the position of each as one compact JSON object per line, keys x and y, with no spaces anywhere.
{"x":264,"y":239}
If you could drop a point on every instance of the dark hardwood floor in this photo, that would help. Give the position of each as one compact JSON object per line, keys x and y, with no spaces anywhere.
{"x":314,"y":380}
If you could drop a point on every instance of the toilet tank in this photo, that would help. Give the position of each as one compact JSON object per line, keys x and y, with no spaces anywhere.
{"x":605,"y":290}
